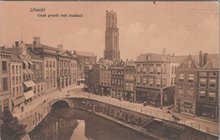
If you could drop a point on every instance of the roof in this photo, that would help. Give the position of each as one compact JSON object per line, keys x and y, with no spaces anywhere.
{"x":80,"y":53}
{"x":189,"y":62}
{"x":33,"y":56}
{"x":159,"y":57}
{"x":42,"y":46}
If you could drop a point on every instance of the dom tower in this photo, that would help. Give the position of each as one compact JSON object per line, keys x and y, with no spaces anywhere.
{"x":111,"y":51}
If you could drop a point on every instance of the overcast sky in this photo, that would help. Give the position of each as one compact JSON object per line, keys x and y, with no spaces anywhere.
{"x":180,"y":27}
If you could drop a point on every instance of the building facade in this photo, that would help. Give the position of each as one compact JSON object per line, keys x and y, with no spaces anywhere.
{"x":111,"y":51}
{"x":38,"y":75}
{"x":196,"y":91}
{"x":4,"y":79}
{"x":208,"y":89}
{"x":83,"y":59}
{"x":67,"y":69}
{"x":117,"y":80}
{"x":129,"y":83}
{"x":186,"y":86}
{"x":49,"y":56}
{"x":105,"y":81}
{"x":155,"y":77}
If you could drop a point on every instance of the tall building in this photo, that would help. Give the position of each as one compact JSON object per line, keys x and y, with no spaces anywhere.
{"x":4,"y":79}
{"x":196,"y":91}
{"x":155,"y":78}
{"x":111,"y":51}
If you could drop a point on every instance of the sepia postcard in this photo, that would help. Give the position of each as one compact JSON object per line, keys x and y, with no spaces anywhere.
{"x":109,"y":70}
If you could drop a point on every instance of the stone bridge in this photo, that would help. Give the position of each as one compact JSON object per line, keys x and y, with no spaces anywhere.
{"x":107,"y":106}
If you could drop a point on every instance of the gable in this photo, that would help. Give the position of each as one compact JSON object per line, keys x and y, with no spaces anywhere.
{"x":189,"y":62}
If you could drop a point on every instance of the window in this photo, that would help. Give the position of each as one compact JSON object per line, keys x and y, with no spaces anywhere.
{"x":181,"y":78}
{"x":151,"y":69}
{"x":13,"y":80}
{"x":158,"y":70}
{"x":211,"y":96}
{"x":202,"y":82}
{"x":47,"y":64}
{"x":151,"y":81}
{"x":5,"y":84}
{"x":13,"y":69}
{"x":158,"y":82}
{"x":180,"y":91}
{"x":19,"y":69}
{"x":190,"y":92}
{"x":191,"y":77}
{"x":138,"y":80}
{"x":202,"y":95}
{"x":144,"y":70}
{"x":213,"y":74}
{"x":144,"y":80}
{"x":212,"y":83}
{"x":4,"y":66}
{"x":203,"y":74}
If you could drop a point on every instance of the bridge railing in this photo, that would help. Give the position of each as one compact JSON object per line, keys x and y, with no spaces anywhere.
{"x":134,"y":107}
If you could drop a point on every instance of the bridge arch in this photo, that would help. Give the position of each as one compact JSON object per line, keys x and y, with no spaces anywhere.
{"x":62,"y":102}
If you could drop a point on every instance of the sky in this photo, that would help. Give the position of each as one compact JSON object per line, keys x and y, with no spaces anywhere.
{"x":180,"y":27}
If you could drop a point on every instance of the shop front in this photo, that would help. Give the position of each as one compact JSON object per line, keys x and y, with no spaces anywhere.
{"x":187,"y":107}
{"x":208,"y":111}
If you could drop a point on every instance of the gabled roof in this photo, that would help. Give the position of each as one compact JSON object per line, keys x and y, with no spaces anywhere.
{"x":212,"y":64}
{"x":189,"y":62}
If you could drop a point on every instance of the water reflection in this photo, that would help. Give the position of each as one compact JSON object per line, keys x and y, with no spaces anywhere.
{"x":72,"y":124}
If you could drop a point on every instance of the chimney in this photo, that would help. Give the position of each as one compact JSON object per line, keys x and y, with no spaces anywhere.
{"x":205,"y":59}
{"x":60,"y":47}
{"x":200,"y":58}
{"x":36,"y":41}
{"x":16,"y":44}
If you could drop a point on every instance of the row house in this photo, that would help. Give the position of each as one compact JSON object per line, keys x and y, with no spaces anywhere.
{"x":155,"y":78}
{"x":21,"y":75}
{"x":105,"y":81}
{"x":208,"y":89}
{"x":83,"y":59}
{"x":117,"y":80}
{"x":59,"y":66}
{"x":37,"y":70}
{"x":95,"y":77}
{"x":88,"y":74}
{"x":105,"y":76}
{"x":67,"y":68}
{"x":186,"y":85}
{"x":4,"y":79}
{"x":129,"y":83}
{"x":196,"y":91}
{"x":49,"y":56}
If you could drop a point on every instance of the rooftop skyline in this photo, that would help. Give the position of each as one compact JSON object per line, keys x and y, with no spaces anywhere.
{"x":180,"y":27}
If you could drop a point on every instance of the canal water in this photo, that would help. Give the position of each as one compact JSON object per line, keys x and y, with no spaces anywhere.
{"x":73,"y":124}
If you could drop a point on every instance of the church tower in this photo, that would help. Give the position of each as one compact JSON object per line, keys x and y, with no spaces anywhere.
{"x":111,"y":51}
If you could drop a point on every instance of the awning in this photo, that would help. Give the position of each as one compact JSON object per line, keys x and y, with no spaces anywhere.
{"x":30,"y":62}
{"x":19,"y":100}
{"x":25,"y":72}
{"x":29,"y":83}
{"x":28,"y":94}
{"x":25,"y":62}
{"x":29,"y":71}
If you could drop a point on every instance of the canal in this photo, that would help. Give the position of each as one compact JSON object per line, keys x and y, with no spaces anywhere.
{"x":74,"y":124}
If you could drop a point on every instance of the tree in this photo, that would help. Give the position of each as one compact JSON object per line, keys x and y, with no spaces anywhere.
{"x":10,"y":128}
